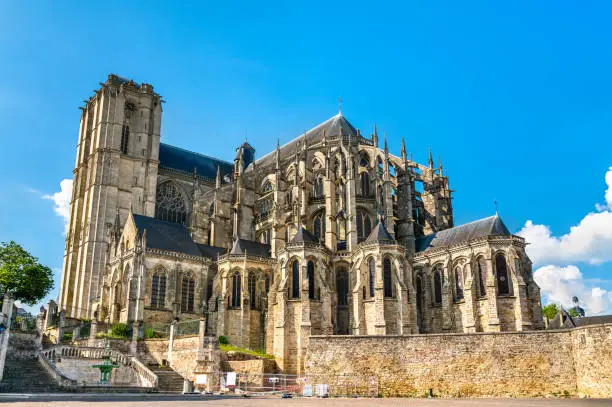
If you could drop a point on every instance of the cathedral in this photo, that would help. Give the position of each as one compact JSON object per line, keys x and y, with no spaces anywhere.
{"x":328,"y":234}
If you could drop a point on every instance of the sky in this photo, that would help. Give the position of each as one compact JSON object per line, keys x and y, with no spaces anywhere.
{"x":514,"y":97}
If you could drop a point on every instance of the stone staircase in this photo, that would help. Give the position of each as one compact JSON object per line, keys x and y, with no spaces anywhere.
{"x":26,"y":376}
{"x":169,"y":381}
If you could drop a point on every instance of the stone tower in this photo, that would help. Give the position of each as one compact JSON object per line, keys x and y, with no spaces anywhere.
{"x":115,"y":172}
{"x":436,"y":199}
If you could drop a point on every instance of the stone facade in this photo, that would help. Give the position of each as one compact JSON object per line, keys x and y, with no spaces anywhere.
{"x":327,"y":235}
{"x":518,"y":364}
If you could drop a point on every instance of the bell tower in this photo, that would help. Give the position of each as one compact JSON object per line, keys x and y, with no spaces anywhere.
{"x":115,"y":173}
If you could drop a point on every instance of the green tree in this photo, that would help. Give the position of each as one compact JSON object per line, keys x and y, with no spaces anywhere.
{"x":21,"y":275}
{"x":573,"y":312}
{"x":550,"y":310}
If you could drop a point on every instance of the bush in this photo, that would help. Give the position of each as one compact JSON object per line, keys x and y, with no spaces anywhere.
{"x":149,"y":333}
{"x":223,"y":340}
{"x":119,"y":330}
{"x":67,"y":337}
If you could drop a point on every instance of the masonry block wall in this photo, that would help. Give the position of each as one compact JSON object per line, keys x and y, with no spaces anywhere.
{"x":517,"y":364}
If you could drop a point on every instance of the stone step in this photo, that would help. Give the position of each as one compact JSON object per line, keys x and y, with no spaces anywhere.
{"x":169,"y":381}
{"x":26,"y":376}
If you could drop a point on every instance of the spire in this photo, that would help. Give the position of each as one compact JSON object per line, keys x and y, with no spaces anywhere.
{"x":375,"y":136}
{"x":403,"y":150}
{"x":439,"y":166}
{"x":324,"y":137}
{"x":218,"y":180}
{"x":431,"y":164}
{"x":278,"y":167}
{"x":386,"y":146}
{"x":117,"y":226}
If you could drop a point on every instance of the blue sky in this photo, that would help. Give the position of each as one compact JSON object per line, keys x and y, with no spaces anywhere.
{"x":515,"y":98}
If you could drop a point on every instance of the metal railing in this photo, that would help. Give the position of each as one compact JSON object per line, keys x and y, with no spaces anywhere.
{"x":187,"y":327}
{"x":305,"y":385}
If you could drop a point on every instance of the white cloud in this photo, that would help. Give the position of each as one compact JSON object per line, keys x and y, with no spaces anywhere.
{"x":560,"y":284}
{"x":62,"y":200}
{"x":590,"y":241}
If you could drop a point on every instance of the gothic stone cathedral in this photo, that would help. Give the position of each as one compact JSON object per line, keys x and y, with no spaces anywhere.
{"x":327,"y":235}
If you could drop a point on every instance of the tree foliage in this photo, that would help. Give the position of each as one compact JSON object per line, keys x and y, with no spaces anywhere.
{"x":550,"y":310}
{"x":21,"y":275}
{"x":573,"y":312}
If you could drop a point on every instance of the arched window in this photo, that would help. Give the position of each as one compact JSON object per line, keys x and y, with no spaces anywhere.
{"x":503,"y":281}
{"x":311,"y":280}
{"x":342,"y":286}
{"x":295,"y":280}
{"x":437,"y":286}
{"x":187,"y":293}
{"x":319,"y":226}
{"x":317,"y":188}
{"x":359,"y":224}
{"x":458,"y":283}
{"x":170,"y":204}
{"x":158,"y":289}
{"x":264,"y":237}
{"x":482,"y":276}
{"x":364,"y":179}
{"x":371,"y":275}
{"x":267,"y":283}
{"x":253,"y":291}
{"x":236,"y":290}
{"x":387,"y":279}
{"x":125,"y":139}
{"x":266,"y":187}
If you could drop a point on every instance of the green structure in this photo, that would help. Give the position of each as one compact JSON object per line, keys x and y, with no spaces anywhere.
{"x":107,"y":366}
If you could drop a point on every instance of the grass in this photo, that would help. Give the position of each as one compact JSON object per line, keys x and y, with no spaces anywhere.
{"x":233,"y":348}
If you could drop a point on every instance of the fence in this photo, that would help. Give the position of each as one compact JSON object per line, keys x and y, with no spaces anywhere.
{"x":23,"y":323}
{"x":156,"y":330}
{"x":308,"y":386}
{"x":187,"y":327}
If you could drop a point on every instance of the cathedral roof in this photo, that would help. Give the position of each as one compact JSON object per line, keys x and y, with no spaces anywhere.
{"x":594,"y":320}
{"x":331,"y":126}
{"x":212,"y":252}
{"x":250,"y":247}
{"x":379,"y":234}
{"x":304,"y":236}
{"x":168,"y":236}
{"x":185,"y":161}
{"x":491,"y":226}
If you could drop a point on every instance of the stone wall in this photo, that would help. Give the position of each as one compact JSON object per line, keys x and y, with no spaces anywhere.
{"x":83,"y":372}
{"x":480,"y":364}
{"x":183,"y":358}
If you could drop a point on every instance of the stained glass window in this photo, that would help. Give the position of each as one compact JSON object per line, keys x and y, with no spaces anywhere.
{"x":170,"y":204}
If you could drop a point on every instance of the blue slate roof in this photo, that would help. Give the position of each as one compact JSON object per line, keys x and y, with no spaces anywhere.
{"x":185,"y":161}
{"x":169,"y":236}
{"x":251,"y":248}
{"x":304,"y":236}
{"x":491,"y":226}
{"x":379,"y":234}
{"x":173,"y":237}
